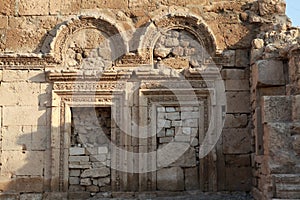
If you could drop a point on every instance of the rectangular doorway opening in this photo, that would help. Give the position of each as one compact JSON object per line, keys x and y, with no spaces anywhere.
{"x":89,"y":152}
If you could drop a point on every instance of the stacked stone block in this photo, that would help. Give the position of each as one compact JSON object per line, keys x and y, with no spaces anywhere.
{"x":179,"y":124}
{"x":25,"y":103}
{"x":24,"y":129}
{"x":275,"y":116}
{"x":236,"y":137}
{"x":89,"y":154}
{"x":179,"y":43}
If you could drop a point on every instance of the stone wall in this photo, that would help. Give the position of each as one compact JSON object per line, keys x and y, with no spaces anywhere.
{"x":25,"y":129}
{"x":89,"y":154}
{"x":180,"y":125}
{"x":48,"y":145}
{"x":275,"y":75}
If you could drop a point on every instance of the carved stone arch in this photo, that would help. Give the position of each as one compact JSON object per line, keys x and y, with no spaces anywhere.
{"x":184,"y":21}
{"x":103,"y":26}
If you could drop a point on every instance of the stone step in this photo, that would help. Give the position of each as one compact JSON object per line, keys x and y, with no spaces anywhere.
{"x":288,"y":195}
{"x":287,"y":186}
{"x":284,"y":199}
{"x":287,"y":178}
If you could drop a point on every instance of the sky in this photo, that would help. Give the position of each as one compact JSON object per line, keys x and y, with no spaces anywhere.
{"x":293,"y":11}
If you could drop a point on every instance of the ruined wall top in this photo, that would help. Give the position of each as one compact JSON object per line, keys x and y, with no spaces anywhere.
{"x":29,"y":27}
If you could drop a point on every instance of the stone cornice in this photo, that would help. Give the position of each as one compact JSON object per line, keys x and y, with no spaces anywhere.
{"x":25,"y":61}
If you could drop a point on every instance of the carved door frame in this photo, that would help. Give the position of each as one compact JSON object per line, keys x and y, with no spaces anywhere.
{"x":66,"y":95}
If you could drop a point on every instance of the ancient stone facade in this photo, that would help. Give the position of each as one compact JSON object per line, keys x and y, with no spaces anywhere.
{"x":128,"y":98}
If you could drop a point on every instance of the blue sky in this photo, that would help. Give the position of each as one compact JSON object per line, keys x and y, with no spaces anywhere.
{"x":293,"y":11}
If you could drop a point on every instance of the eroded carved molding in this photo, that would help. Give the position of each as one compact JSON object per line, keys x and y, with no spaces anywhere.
{"x":88,"y":86}
{"x":25,"y":61}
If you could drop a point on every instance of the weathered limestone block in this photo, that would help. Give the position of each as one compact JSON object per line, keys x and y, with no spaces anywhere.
{"x":16,"y":95}
{"x":296,"y":144}
{"x":34,"y":7}
{"x":188,"y":159}
{"x":170,"y":109}
{"x":102,"y":150}
{"x":174,"y":63}
{"x":229,"y":56}
{"x":28,"y":163}
{"x":85,"y":181}
{"x":93,"y":188}
{"x":79,"y":158}
{"x":236,"y":141}
{"x":31,"y":196}
{"x":7,"y":7}
{"x":242,"y":58}
{"x":238,"y":160}
{"x":164,"y":124}
{"x":176,"y":123}
{"x":6,"y":183}
{"x":258,"y":43}
{"x":190,"y":122}
{"x":170,"y":179}
{"x":105,"y":189}
{"x":95,"y":173}
{"x":3,"y":33}
{"x":103,"y":181}
{"x":173,"y":116}
{"x":277,"y":145}
{"x":31,"y":37}
{"x":296,"y":108}
{"x":190,"y":115}
{"x":64,"y":7}
{"x":186,"y":130}
{"x":239,"y":179}
{"x":39,"y":137}
{"x":3,"y":21}
{"x":18,"y":115}
{"x":36,"y":76}
{"x":234,"y":74}
{"x":16,"y":138}
{"x":76,"y":151}
{"x":276,"y":109}
{"x":29,"y":184}
{"x":9,"y":196}
{"x":55,"y":195}
{"x":256,"y":54}
{"x":78,"y":195}
{"x":236,"y":121}
{"x":86,"y":4}
{"x":76,"y":188}
{"x":237,"y":85}
{"x":74,"y":172}
{"x":191,"y":178}
{"x":238,"y":102}
{"x":268,"y":73}
{"x":74,"y":180}
{"x":165,"y":140}
{"x":182,"y":138}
